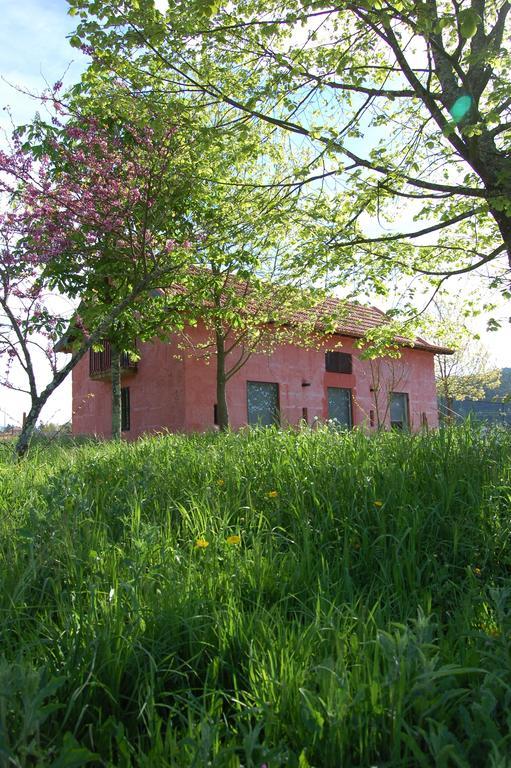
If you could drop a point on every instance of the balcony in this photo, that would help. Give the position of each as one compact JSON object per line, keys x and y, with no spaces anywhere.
{"x":100,"y":363}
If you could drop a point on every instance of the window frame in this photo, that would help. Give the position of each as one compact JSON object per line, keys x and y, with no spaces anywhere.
{"x":394,"y":424}
{"x":350,"y":411}
{"x":125,"y":409}
{"x":277,"y":420}
{"x":343,"y":362}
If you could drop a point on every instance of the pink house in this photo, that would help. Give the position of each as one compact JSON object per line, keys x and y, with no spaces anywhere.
{"x":171,"y":390}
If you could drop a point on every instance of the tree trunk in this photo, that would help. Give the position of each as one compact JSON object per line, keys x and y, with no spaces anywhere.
{"x":448,"y":408}
{"x":116,"y":392}
{"x":504,"y":223}
{"x":27,"y":430}
{"x":221,"y":400}
{"x":38,"y":402}
{"x":448,"y":402}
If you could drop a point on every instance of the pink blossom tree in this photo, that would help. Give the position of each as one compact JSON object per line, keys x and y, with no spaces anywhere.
{"x":94,"y":214}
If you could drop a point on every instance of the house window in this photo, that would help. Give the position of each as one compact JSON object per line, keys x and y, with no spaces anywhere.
{"x":339,"y":406}
{"x":125,"y":409}
{"x":338,"y":362}
{"x":215,"y":413}
{"x":262,"y":403}
{"x":399,"y":410}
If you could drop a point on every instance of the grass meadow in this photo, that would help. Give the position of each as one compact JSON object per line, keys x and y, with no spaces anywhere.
{"x":302,"y":599}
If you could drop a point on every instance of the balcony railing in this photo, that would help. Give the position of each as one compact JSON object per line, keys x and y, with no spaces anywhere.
{"x":100,"y":363}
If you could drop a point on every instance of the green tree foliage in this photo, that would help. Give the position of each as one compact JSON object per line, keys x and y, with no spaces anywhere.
{"x":249,"y":230}
{"x":252,"y":311}
{"x":250,"y":287}
{"x":88,"y":217}
{"x":403,"y":108}
{"x":468,"y":373}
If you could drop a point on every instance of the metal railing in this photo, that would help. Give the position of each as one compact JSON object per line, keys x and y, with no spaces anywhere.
{"x":100,"y":363}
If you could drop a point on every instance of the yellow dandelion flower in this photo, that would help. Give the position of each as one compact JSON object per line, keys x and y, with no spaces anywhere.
{"x":234,"y":539}
{"x":378,"y":503}
{"x":220,"y":482}
{"x":272,"y":494}
{"x":477,"y":571}
{"x":201,"y":544}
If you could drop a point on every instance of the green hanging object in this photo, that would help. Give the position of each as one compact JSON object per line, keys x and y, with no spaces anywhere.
{"x":460,"y":108}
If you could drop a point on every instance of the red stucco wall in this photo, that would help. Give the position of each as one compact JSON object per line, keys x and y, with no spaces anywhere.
{"x":156,"y":394}
{"x":179,"y":394}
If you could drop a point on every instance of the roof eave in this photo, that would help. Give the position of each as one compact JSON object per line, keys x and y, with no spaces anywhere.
{"x":408,"y":344}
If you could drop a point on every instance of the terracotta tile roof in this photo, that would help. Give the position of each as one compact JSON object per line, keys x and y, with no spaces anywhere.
{"x":356,"y":319}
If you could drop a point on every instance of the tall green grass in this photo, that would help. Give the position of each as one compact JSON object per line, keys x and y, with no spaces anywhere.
{"x":363,"y":619}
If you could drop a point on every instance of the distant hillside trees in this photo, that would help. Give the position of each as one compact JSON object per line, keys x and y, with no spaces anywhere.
{"x":469,"y":373}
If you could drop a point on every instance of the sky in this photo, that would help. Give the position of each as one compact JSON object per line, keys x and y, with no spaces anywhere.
{"x":34,"y":52}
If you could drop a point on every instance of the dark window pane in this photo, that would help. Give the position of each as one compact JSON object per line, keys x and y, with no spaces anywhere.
{"x":263,"y":403}
{"x":338,"y":362}
{"x":125,"y":409}
{"x":339,"y":406}
{"x":399,"y":410}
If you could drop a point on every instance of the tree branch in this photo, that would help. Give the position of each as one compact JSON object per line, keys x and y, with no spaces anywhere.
{"x":411,"y":235}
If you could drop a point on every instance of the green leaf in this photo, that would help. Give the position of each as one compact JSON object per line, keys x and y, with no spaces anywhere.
{"x":469,"y":21}
{"x":72,"y":755}
{"x":444,"y":22}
